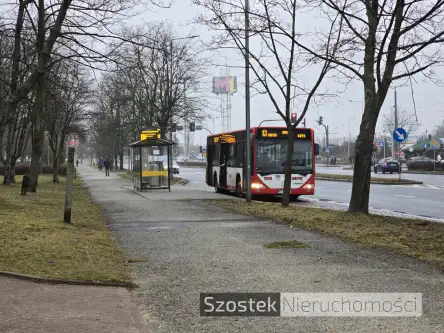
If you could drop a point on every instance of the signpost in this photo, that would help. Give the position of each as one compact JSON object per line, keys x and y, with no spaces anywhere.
{"x":399,"y":135}
{"x":68,"y":193}
{"x":434,"y":143}
{"x":382,"y":145}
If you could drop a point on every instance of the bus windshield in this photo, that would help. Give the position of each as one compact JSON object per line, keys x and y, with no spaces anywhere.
{"x":271,"y":156}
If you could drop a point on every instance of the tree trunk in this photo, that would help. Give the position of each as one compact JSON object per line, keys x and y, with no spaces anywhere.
{"x":288,"y":165}
{"x":362,"y":170}
{"x":55,"y":170}
{"x":37,"y":134}
{"x":121,"y":160}
{"x":12,"y":171}
{"x":7,"y":175}
{"x":8,"y":153}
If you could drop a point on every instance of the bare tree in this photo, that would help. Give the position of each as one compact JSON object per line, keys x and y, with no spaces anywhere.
{"x":68,"y":95}
{"x":278,"y":62}
{"x":61,"y":28}
{"x":156,"y":83}
{"x":439,"y":130}
{"x":384,"y":41}
{"x":405,"y":120}
{"x":16,"y":128}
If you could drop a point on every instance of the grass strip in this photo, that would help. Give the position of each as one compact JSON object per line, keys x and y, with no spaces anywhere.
{"x":34,"y":240}
{"x":421,"y":239}
{"x":329,"y":176}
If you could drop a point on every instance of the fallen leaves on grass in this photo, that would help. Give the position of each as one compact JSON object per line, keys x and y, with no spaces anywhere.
{"x":34,"y":239}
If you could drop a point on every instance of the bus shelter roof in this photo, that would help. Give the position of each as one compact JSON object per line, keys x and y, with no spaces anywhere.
{"x":152,"y":142}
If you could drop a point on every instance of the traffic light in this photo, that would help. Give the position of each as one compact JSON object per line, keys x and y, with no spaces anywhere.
{"x":321,"y":119}
{"x":293,"y":117}
{"x":200,"y":149}
{"x":193,"y":127}
{"x":173,"y":127}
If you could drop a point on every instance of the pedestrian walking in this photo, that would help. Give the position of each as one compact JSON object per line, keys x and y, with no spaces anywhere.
{"x":77,"y":163}
{"x":107,"y":165}
{"x":100,"y":163}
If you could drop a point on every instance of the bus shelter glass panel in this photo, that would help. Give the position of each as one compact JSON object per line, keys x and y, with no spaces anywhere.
{"x":136,"y":168}
{"x":155,"y":166}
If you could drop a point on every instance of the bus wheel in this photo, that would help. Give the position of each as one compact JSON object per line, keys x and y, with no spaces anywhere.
{"x":239,"y":187}
{"x":294,"y":197}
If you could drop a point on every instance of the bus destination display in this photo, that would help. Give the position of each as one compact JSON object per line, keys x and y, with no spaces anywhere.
{"x":300,"y":134}
{"x":146,"y":134}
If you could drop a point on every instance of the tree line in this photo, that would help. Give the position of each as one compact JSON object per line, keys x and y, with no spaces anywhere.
{"x":70,"y":70}
{"x":51,"y":54}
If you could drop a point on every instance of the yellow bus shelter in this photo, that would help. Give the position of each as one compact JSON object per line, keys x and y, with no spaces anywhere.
{"x":151,"y":161}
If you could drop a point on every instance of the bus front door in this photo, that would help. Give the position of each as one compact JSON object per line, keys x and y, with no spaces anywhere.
{"x":223,"y":164}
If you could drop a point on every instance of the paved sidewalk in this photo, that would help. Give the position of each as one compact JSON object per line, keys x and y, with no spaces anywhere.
{"x":28,"y":307}
{"x":182,"y":247}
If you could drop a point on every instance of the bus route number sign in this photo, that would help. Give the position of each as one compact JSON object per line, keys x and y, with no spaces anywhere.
{"x":265,"y":133}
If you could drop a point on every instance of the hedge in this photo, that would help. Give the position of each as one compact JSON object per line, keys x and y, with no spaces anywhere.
{"x":22,"y":168}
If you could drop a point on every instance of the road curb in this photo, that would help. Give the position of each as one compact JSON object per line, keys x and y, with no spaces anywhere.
{"x":37,"y":279}
{"x":410,"y":182}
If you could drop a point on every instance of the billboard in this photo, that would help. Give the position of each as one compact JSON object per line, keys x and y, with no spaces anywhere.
{"x":224,"y":84}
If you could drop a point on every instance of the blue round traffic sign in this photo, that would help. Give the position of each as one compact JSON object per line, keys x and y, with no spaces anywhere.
{"x":381,"y":143}
{"x":400,"y":135}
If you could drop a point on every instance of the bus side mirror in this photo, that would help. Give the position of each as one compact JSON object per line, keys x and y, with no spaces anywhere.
{"x":316,"y":149}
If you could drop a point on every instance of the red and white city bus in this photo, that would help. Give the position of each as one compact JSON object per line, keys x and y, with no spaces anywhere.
{"x":226,"y":155}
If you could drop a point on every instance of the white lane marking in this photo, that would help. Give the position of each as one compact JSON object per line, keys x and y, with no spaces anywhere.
{"x":434,"y":187}
{"x":404,"y":196}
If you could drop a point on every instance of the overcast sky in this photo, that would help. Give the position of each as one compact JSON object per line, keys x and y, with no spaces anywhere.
{"x":429,"y":98}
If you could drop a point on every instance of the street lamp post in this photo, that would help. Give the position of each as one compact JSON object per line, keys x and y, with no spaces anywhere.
{"x":349,"y":136}
{"x":362,"y":104}
{"x":247,"y":99}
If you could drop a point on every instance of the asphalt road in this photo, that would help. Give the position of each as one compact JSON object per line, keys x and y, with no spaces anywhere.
{"x":424,"y":200}
{"x":433,"y":180}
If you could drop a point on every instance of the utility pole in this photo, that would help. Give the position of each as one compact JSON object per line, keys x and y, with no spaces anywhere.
{"x":395,"y":144}
{"x":247,"y":99}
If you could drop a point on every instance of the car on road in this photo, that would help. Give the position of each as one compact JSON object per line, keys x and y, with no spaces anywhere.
{"x":423,"y":163}
{"x":175,"y":168}
{"x":387,"y":165}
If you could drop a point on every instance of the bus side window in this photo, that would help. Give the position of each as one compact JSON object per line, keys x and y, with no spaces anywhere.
{"x":216,"y":154}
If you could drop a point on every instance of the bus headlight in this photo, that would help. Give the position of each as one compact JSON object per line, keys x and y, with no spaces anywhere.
{"x":308,"y":186}
{"x":257,"y":185}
